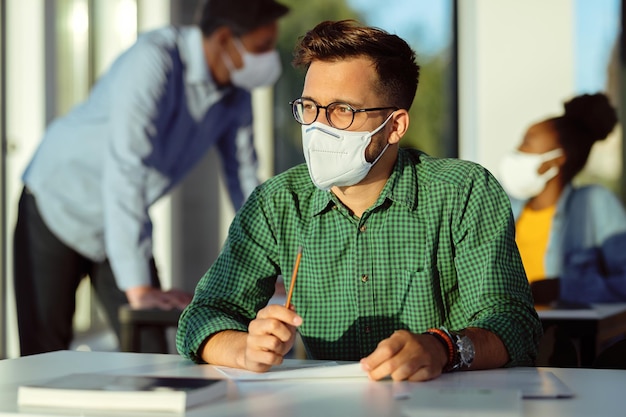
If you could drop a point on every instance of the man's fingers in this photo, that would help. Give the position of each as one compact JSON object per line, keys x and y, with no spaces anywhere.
{"x":270,"y":343}
{"x":424,"y":373}
{"x":168,"y":300}
{"x":276,"y":320}
{"x":270,"y":336}
{"x":155,"y":299}
{"x":404,"y":356}
{"x":278,"y":312}
{"x":179,"y":299}
{"x":385,"y":350}
{"x":149,"y":297}
{"x":273,"y":327}
{"x":260,"y":360}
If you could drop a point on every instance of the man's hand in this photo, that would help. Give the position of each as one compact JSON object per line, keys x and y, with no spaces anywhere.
{"x":406,"y":356}
{"x":146,"y":297}
{"x":270,"y":336}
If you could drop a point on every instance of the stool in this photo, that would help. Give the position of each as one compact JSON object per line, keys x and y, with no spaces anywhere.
{"x":132,"y":321}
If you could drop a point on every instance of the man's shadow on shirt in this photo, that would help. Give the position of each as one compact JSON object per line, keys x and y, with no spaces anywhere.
{"x":358,"y":341}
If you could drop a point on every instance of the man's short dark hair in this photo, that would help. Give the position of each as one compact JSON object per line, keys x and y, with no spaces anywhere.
{"x":393,"y":58}
{"x":242,"y":16}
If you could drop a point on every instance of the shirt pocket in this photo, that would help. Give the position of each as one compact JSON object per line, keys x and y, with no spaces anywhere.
{"x":416,"y":297}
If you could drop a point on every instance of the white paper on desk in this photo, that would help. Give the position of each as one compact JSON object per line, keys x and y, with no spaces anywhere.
{"x":466,"y":402}
{"x":532,"y":382}
{"x":308,"y":371}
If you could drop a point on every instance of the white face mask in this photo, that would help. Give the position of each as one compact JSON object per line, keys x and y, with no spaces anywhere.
{"x":258,"y":70}
{"x":337,"y":157}
{"x":519,"y":176}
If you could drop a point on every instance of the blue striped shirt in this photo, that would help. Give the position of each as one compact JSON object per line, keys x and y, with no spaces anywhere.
{"x":146,"y":123}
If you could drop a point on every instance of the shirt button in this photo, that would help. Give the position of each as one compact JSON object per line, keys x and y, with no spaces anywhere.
{"x":367,"y":329}
{"x":362,"y":228}
{"x":364,"y":278}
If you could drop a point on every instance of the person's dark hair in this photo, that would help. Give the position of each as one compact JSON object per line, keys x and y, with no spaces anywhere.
{"x":587,"y":119}
{"x":393,"y":58}
{"x":241,"y":16}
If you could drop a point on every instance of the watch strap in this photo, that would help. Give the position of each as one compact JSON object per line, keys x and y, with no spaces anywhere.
{"x":449,"y":344}
{"x":459,"y":347}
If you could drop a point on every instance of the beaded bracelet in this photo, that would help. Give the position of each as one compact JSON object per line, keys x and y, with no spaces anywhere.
{"x":445,"y":338}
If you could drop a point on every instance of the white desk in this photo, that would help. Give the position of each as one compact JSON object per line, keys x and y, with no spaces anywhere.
{"x":598,"y":392}
{"x":591,"y":327}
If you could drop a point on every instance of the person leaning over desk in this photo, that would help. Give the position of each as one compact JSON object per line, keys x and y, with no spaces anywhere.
{"x":409,"y":262}
{"x":168,"y":99}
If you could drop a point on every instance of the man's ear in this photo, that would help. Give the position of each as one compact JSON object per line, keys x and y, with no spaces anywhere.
{"x":400,"y":123}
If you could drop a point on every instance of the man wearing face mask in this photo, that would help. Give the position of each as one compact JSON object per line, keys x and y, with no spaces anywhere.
{"x":168,"y":99}
{"x":408,"y":262}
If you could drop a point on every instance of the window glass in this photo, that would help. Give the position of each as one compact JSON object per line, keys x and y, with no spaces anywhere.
{"x":596,"y":39}
{"x":72,"y":59}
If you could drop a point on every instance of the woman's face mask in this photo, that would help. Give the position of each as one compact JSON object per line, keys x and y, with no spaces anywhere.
{"x":258,"y":70}
{"x":337,"y":157}
{"x":519,"y":176}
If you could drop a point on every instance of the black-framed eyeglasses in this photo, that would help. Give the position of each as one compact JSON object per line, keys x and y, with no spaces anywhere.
{"x":339,"y":115}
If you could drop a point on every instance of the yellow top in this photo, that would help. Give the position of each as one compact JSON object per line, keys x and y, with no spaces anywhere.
{"x":532,"y":232}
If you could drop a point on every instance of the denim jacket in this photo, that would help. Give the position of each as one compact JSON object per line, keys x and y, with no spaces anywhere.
{"x":587,"y":232}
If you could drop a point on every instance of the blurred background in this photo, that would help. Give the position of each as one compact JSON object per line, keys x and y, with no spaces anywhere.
{"x":489,"y":69}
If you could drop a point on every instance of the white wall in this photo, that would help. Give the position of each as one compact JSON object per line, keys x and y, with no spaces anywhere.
{"x":516,"y":66}
{"x":25,"y":120}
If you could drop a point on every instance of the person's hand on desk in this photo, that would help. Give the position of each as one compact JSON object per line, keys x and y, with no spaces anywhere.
{"x":270,"y":336}
{"x":145,"y":297}
{"x":406,"y":356}
{"x":268,"y":339}
{"x":420,"y":357}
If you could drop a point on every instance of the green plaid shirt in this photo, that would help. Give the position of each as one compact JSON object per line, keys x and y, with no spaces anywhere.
{"x":436,"y":249}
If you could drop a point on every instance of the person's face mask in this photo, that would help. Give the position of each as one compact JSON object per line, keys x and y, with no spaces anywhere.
{"x":519,"y":176}
{"x":337,"y":157}
{"x":258,"y":70}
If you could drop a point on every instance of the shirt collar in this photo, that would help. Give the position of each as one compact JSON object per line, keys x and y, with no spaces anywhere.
{"x":322,"y":201}
{"x":564,"y":198}
{"x":192,"y":52}
{"x":401,"y":187}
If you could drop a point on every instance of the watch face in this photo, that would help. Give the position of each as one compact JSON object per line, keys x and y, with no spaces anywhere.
{"x":466,"y":350}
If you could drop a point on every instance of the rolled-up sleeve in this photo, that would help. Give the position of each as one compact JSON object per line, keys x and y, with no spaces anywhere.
{"x":492,"y":283}
{"x":140,"y":82}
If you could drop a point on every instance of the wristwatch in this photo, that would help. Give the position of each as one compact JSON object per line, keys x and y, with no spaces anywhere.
{"x":459,"y":347}
{"x":464,"y":351}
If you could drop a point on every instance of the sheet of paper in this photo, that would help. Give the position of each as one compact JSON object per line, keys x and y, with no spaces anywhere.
{"x":533,"y":383}
{"x":466,"y":402}
{"x":309,"y":371}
